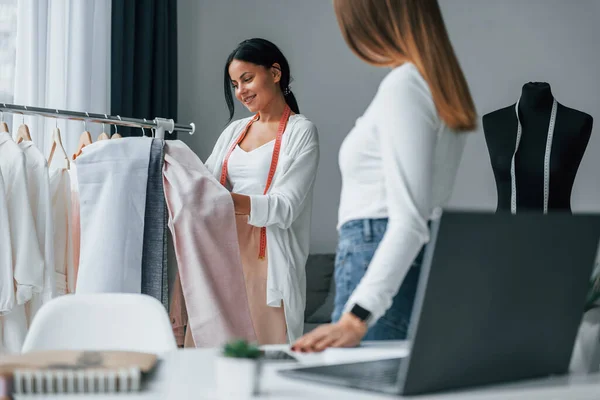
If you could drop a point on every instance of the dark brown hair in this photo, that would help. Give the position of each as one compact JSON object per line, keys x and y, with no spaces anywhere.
{"x":264,"y":53}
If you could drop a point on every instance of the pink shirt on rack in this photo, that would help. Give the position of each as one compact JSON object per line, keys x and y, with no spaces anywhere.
{"x":202,"y":222}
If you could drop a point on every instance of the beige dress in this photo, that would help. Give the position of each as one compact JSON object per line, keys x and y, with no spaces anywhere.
{"x":247,"y":174}
{"x":269,"y":322}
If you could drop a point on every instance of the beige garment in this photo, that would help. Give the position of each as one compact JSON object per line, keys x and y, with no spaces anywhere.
{"x":60,"y":191}
{"x":269,"y":322}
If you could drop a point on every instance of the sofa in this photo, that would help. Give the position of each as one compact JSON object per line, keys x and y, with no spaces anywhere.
{"x":320,"y":290}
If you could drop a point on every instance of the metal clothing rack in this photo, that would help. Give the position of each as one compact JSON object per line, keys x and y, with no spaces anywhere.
{"x":159,"y":124}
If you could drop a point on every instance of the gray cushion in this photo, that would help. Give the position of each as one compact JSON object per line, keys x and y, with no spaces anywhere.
{"x":319,"y":277}
{"x":322,"y":315}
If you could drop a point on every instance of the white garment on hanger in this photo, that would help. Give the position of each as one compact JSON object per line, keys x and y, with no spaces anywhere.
{"x":14,"y":329}
{"x":38,"y":188}
{"x":112,"y":176}
{"x":7,"y":291}
{"x":28,"y":261}
{"x":60,"y":193}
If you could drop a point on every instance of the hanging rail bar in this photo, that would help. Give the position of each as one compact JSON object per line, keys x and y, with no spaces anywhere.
{"x":94,"y":118}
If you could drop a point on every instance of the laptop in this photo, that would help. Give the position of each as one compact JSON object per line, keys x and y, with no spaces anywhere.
{"x":500,"y":299}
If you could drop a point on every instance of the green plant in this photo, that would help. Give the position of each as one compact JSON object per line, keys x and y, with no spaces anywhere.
{"x":241,"y":349}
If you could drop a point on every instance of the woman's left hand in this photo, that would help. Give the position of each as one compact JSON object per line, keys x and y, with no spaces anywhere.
{"x":347,"y":332}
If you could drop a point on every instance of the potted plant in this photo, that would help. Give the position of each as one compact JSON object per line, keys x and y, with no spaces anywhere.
{"x":238,"y":369}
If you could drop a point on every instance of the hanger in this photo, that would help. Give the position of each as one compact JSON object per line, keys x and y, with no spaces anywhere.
{"x":3,"y":125}
{"x":23,"y":132}
{"x":117,"y":135}
{"x":103,"y":135}
{"x":57,"y":143}
{"x":84,"y":140}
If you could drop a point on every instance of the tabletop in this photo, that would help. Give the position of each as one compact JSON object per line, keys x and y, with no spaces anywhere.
{"x":190,"y":374}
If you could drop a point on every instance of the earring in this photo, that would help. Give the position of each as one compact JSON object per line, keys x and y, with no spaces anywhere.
{"x":287,"y":91}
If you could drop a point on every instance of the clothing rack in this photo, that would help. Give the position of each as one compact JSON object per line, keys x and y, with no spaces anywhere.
{"x":159,"y":124}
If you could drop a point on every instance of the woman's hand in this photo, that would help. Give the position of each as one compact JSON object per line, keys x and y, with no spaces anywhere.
{"x":241,"y":204}
{"x":347,"y":332}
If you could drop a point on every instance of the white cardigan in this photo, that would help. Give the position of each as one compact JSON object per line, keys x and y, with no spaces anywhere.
{"x":286,"y":212}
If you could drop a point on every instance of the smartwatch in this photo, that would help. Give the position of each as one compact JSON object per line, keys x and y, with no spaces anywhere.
{"x":361,"y":313}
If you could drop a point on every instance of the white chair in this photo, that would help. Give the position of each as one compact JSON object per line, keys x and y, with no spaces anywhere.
{"x":103,"y":321}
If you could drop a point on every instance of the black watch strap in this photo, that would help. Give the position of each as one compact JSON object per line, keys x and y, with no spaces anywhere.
{"x":362,"y":314}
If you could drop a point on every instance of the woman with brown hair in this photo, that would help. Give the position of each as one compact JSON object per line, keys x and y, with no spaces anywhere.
{"x":398,"y":166}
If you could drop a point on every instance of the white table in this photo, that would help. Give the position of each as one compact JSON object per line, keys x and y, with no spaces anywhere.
{"x":189,"y":374}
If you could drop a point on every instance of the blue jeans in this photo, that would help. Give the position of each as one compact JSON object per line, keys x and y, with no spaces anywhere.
{"x":357,"y":243}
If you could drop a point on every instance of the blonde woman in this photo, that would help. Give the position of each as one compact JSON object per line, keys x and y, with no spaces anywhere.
{"x":398,"y":165}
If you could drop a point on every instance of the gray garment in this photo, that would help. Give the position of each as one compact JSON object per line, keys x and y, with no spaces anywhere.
{"x":154,"y":255}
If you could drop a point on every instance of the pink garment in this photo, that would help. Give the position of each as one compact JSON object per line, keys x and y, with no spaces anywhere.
{"x":202,"y":223}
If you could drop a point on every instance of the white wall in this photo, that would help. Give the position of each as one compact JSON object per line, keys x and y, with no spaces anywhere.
{"x":501,"y":45}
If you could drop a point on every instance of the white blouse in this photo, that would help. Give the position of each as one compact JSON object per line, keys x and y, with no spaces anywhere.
{"x":399,"y":162}
{"x":247,"y":171}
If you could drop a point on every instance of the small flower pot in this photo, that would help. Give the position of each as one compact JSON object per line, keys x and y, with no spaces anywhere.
{"x":237,"y":377}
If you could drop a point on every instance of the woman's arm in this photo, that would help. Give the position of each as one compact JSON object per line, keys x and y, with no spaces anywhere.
{"x":408,"y":139}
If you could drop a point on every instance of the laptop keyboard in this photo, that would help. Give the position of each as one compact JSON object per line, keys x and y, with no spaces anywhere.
{"x":380,"y":372}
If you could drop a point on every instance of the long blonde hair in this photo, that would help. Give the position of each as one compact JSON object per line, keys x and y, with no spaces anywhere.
{"x":392,"y":32}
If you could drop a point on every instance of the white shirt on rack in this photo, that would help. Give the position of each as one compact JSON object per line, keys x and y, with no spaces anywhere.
{"x":38,"y":188}
{"x":7,"y":291}
{"x":111,"y":178}
{"x":28,"y":261}
{"x":399,"y":162}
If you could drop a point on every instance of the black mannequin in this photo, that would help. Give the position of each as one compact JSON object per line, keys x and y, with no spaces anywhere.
{"x":571,"y":135}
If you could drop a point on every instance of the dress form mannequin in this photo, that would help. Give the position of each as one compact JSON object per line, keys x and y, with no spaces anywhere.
{"x":572,"y":130}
